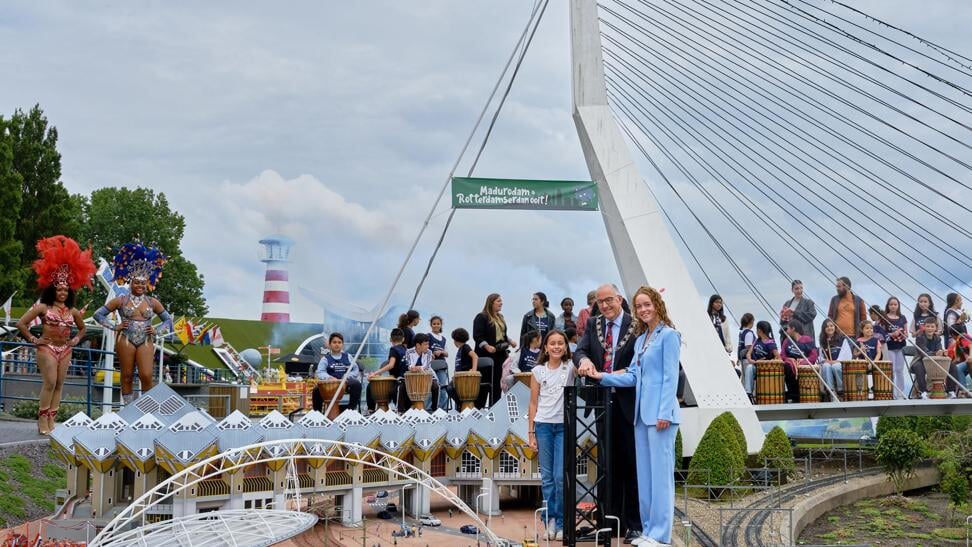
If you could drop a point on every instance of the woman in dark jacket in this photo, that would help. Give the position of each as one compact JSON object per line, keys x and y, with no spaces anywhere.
{"x":492,"y":342}
{"x":539,"y":319}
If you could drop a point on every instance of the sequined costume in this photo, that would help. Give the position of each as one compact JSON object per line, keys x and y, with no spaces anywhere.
{"x":61,"y":322}
{"x":137,"y":331}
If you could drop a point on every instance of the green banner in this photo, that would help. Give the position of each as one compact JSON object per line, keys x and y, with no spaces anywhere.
{"x":541,"y":195}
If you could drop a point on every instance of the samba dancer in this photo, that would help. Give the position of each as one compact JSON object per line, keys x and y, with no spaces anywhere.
{"x":61,"y":270}
{"x":141,"y":268}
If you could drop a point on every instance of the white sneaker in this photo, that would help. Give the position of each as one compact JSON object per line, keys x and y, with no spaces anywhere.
{"x":644,"y":541}
{"x":951,"y":394}
{"x":560,"y":535}
{"x":551,"y":529}
{"x":924,"y":394}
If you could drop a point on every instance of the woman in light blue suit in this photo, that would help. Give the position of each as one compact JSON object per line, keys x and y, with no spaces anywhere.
{"x":654,"y":374}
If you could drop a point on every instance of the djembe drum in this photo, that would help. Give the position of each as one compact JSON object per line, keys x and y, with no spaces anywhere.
{"x":418,"y":385}
{"x":328,"y":390}
{"x":935,"y":374}
{"x":809,"y":384}
{"x":467,"y":387}
{"x":854,"y":373}
{"x":881,"y":383}
{"x":524,"y":378}
{"x":770,"y":383}
{"x":382,"y":389}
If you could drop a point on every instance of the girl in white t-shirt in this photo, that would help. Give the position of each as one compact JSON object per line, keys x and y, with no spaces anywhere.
{"x":554,"y":371}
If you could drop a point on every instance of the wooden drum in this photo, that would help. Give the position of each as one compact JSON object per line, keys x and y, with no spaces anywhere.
{"x":524,"y":378}
{"x":328,"y":390}
{"x":418,"y":385}
{"x":935,"y":374}
{"x":382,"y":390}
{"x":770,"y":384}
{"x":882,"y":384}
{"x":467,"y":387}
{"x":855,"y":379}
{"x":809,"y":384}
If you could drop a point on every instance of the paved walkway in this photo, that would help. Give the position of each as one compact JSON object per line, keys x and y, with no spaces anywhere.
{"x":16,"y":431}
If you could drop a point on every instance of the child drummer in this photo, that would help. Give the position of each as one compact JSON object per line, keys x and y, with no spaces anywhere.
{"x":419,"y":359}
{"x":333,"y":366}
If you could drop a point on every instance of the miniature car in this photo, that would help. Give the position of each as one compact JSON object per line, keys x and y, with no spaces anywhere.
{"x":469,"y":529}
{"x":429,"y":520}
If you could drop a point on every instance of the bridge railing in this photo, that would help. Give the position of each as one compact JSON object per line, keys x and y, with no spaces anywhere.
{"x":20,"y":379}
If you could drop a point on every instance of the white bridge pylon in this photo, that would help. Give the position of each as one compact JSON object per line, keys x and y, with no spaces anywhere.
{"x":290,"y":450}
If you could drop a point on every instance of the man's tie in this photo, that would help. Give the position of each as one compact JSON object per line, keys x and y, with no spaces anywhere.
{"x":609,"y":348}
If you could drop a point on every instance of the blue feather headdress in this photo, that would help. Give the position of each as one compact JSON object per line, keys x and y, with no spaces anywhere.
{"x":136,"y":261}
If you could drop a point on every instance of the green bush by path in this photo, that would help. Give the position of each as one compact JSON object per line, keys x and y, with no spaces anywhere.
{"x":899,"y":451}
{"x":777,"y":452}
{"x":733,"y":431}
{"x":717,"y":460}
{"x":678,"y":449}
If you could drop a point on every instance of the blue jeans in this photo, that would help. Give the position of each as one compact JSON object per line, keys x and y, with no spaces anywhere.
{"x":833,"y":375}
{"x":550,"y":445}
{"x":963,"y":374}
{"x":749,"y":376}
{"x":443,"y":377}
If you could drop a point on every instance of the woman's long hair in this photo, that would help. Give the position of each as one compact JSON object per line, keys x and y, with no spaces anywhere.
{"x":931,"y":304}
{"x":950,"y":299}
{"x":826,"y":342}
{"x":494,"y":318}
{"x":49,"y":296}
{"x":660,"y":309}
{"x":406,"y":319}
{"x":722,"y":312}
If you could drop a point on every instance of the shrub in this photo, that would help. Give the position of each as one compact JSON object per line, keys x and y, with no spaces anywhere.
{"x":954,"y":483}
{"x":26,"y":409}
{"x":887,"y":423}
{"x":716,"y":461}
{"x":899,"y":451}
{"x":777,"y":452}
{"x":733,"y":431}
{"x":678,"y":450}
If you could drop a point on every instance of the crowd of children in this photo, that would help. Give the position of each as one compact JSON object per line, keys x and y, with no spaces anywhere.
{"x":885,"y":336}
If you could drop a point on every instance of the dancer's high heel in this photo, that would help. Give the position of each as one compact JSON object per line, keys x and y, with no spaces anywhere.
{"x":51,"y":419}
{"x":42,"y":427}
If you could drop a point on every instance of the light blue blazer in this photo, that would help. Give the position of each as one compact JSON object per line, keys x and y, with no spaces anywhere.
{"x":654,"y":375}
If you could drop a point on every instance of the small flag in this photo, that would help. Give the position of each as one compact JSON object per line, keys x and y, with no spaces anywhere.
{"x":179,"y":328}
{"x":216,"y":337}
{"x":7,"y":306}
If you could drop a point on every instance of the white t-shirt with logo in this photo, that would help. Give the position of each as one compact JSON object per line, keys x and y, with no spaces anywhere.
{"x":550,"y":403}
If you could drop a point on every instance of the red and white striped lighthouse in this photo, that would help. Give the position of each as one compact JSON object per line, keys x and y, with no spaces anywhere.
{"x":276,"y":286}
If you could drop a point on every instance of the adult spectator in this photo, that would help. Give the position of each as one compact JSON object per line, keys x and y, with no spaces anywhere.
{"x":847,"y":310}
{"x":567,"y":319}
{"x":492,"y":343}
{"x":585,"y":314}
{"x":799,"y":310}
{"x":717,"y":315}
{"x":540,"y":318}
{"x":608,"y":346}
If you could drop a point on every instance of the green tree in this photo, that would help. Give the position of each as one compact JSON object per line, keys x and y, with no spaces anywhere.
{"x":12,"y":273}
{"x":114,"y":216}
{"x":733,"y":431}
{"x":899,"y":451}
{"x":47,"y":208}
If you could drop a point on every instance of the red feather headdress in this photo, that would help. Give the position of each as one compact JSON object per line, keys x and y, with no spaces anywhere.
{"x":62,"y":262}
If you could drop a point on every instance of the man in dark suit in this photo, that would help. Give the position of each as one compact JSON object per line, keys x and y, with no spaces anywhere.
{"x":608,"y":346}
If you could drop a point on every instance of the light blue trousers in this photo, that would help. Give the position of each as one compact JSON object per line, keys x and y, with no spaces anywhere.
{"x":833,"y":375}
{"x":655,"y":456}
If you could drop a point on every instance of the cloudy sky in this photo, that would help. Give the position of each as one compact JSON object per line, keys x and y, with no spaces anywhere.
{"x":336,"y":123}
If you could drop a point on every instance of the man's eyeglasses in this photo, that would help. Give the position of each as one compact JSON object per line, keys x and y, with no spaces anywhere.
{"x":607,"y":300}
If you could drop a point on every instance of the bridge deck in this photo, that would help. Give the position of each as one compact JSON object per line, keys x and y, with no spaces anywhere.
{"x":854,"y":409}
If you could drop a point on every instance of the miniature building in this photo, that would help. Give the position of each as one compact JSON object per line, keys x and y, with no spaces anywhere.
{"x":120,"y":456}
